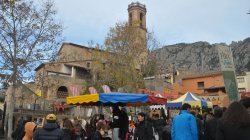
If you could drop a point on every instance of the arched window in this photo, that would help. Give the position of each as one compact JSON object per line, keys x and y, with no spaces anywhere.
{"x":130,"y":19}
{"x":141,"y":18}
{"x":62,"y":92}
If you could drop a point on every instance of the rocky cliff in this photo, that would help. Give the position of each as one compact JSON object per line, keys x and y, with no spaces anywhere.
{"x":201,"y":56}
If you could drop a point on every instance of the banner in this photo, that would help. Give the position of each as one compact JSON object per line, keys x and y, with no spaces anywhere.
{"x":76,"y":92}
{"x":228,"y":71}
{"x":39,"y":93}
{"x":106,"y":89}
{"x":92,"y":90}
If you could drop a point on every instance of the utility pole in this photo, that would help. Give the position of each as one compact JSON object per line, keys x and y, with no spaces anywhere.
{"x":173,"y":72}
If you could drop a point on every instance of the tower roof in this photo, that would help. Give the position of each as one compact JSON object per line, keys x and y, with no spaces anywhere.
{"x":137,"y":4}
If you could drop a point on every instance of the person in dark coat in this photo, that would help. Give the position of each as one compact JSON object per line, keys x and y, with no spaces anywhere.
{"x":115,"y":124}
{"x":50,"y":130}
{"x":235,"y":123}
{"x":144,"y":129}
{"x":159,"y":124}
{"x":68,"y":130}
{"x":19,"y":133}
{"x":211,"y":125}
{"x":199,"y":126}
{"x":124,"y":123}
{"x":246,"y":103}
{"x":166,"y":133}
{"x":101,"y":131}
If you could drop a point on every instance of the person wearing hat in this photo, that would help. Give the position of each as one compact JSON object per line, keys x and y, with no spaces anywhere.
{"x":50,"y":131}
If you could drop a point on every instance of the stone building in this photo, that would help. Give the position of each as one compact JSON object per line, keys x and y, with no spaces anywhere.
{"x":73,"y":71}
{"x":68,"y":76}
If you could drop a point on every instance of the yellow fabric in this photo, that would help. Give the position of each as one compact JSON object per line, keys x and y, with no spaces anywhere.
{"x":39,"y":93}
{"x":209,"y":104}
{"x":82,"y":99}
{"x":194,"y":103}
{"x":180,"y":99}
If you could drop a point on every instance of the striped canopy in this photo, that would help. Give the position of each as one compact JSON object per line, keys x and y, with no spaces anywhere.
{"x":130,"y":99}
{"x":189,"y":98}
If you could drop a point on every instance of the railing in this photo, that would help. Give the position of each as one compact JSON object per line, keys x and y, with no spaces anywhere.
{"x":136,"y":4}
{"x":56,"y":77}
{"x":39,"y":112}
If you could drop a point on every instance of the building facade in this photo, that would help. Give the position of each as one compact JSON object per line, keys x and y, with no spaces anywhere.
{"x":243,"y":81}
{"x":209,"y":86}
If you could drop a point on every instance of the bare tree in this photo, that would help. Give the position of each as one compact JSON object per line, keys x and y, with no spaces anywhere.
{"x":29,"y":33}
{"x":126,"y":58}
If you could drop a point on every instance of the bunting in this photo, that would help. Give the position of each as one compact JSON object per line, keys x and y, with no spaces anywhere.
{"x":106,"y":89}
{"x":39,"y":93}
{"x":92,"y":90}
{"x":75,"y":91}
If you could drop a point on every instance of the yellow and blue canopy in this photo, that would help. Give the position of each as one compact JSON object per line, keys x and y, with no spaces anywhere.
{"x":115,"y":98}
{"x":189,"y":98}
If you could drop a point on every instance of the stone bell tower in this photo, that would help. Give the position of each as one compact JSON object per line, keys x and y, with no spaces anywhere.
{"x":137,"y":15}
{"x":137,"y":18}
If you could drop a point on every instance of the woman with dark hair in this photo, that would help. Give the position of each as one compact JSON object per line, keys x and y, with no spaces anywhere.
{"x":68,"y":130}
{"x":211,"y":125}
{"x":101,"y":131}
{"x":235,"y":123}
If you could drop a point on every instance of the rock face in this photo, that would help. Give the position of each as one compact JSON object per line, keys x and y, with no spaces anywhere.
{"x":201,"y":56}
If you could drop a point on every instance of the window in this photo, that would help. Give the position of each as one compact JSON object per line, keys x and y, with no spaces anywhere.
{"x":141,"y":17}
{"x":200,"y":85}
{"x":104,"y":66}
{"x":240,"y":79}
{"x":130,"y":19}
{"x":241,"y":90}
{"x":88,"y":65}
{"x":62,"y":92}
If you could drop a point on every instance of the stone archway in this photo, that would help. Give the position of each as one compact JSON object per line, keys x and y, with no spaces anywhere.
{"x":62,"y":92}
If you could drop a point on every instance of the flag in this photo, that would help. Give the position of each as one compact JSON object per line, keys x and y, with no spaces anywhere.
{"x":39,"y":93}
{"x":92,"y":90}
{"x":75,"y":91}
{"x":106,"y":89}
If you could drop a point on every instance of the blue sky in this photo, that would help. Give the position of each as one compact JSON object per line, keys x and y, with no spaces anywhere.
{"x":173,"y":21}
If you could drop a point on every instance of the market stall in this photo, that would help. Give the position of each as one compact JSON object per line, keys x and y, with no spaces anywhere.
{"x":189,"y":98}
{"x":119,"y":98}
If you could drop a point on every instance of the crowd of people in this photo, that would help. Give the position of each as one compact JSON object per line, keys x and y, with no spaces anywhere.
{"x":190,"y":124}
{"x":230,"y":123}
